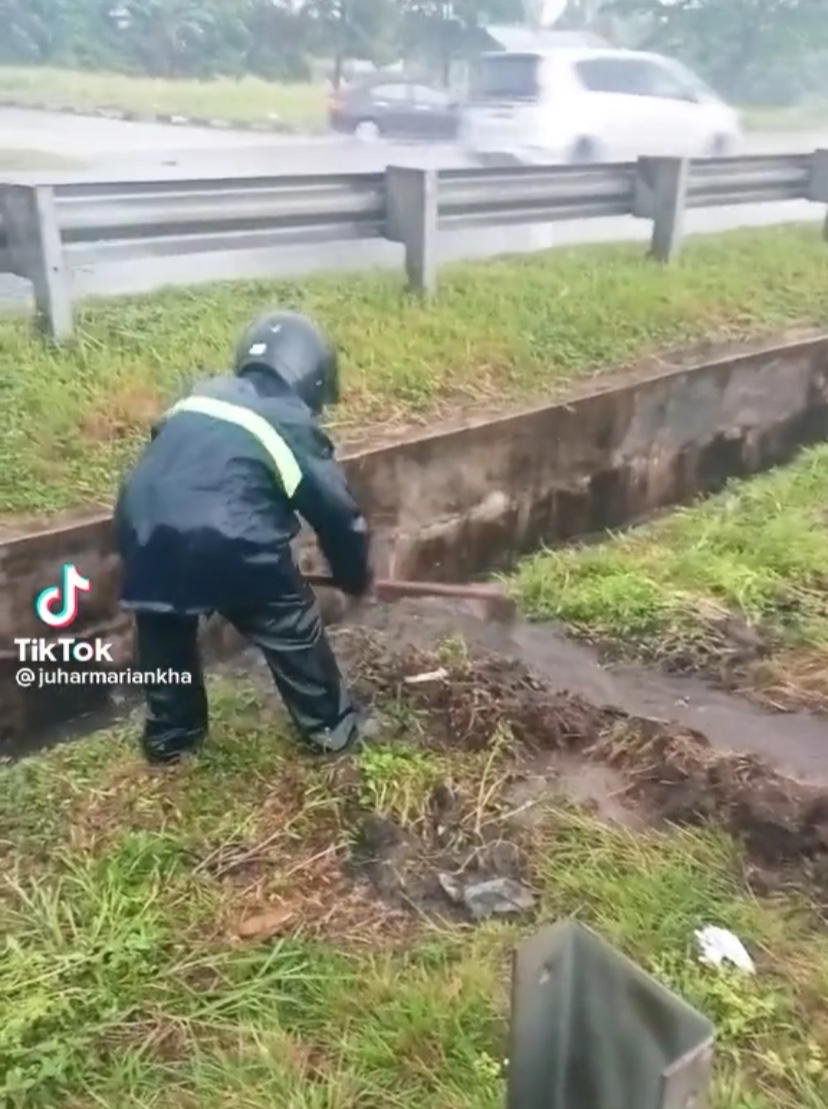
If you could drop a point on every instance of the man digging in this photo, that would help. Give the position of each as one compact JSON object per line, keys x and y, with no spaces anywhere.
{"x":204,"y":524}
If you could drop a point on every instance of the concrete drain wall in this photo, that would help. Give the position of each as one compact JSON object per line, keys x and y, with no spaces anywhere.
{"x":451,"y":505}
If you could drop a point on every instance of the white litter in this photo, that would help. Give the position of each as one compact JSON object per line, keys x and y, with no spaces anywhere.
{"x":718,"y":946}
{"x":431,"y":676}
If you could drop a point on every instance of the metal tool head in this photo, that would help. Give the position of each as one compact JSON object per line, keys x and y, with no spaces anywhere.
{"x":500,"y":608}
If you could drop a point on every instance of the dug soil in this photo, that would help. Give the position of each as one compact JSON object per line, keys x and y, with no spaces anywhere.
{"x":488,"y":739}
{"x":549,"y":725}
{"x":795,"y":744}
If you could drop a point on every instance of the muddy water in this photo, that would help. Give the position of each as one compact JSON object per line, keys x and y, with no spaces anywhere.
{"x":794,"y":743}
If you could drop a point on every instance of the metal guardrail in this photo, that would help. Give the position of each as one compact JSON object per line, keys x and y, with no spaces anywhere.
{"x":50,"y":227}
{"x":5,"y":254}
{"x":471,"y":198}
{"x":102,"y":223}
{"x":726,"y":181}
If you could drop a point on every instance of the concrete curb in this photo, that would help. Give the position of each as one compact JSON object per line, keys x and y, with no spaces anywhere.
{"x":276,"y":126}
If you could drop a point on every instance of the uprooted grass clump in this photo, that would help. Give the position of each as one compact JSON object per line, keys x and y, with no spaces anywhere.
{"x":676,"y":772}
{"x":734,"y":587}
{"x":500,"y":333}
{"x":208,"y":935}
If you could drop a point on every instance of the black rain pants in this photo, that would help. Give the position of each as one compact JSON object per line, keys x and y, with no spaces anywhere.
{"x":288,"y":630}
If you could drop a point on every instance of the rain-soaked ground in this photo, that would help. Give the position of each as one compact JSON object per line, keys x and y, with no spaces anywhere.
{"x":794,"y":743}
{"x":636,"y":746}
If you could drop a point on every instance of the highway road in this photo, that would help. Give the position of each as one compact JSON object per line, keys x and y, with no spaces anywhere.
{"x":116,"y":145}
{"x":107,"y":146}
{"x":116,"y":149}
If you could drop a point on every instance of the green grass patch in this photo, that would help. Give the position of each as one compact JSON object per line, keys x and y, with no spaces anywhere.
{"x":397,"y":781}
{"x":247,"y":99}
{"x":799,"y":117}
{"x":751,"y":560}
{"x":121,"y":985}
{"x":499,"y":333}
{"x":24,"y":161}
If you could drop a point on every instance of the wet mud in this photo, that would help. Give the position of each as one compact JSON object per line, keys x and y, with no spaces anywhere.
{"x":642,"y":749}
{"x":796,"y":744}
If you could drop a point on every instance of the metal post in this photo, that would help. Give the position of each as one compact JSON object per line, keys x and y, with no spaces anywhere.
{"x":591,"y":1030}
{"x":411,"y":218}
{"x":36,"y":253}
{"x":818,"y":190}
{"x":661,"y":195}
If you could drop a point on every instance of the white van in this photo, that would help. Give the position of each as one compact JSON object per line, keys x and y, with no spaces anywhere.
{"x":582,"y":104}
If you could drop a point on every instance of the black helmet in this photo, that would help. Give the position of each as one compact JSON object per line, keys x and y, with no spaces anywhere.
{"x":296,"y":351}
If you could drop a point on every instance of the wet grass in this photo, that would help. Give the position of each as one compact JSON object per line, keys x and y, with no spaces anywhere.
{"x":21,"y":160}
{"x":124,"y":981}
{"x":808,"y":116}
{"x":248,"y":99}
{"x":251,"y":99}
{"x":742,"y":574}
{"x":499,"y":334}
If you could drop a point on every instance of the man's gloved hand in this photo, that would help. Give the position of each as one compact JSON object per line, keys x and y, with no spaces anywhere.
{"x":358,"y":601}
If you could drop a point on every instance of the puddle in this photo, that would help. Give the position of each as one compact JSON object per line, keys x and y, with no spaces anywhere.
{"x":553,"y":777}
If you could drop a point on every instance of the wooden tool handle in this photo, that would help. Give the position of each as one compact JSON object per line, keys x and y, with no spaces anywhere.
{"x":391,"y":588}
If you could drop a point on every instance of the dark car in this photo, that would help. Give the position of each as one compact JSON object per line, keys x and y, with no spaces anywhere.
{"x":400,"y":108}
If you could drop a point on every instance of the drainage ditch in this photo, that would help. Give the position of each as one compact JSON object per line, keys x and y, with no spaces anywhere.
{"x":457,"y":503}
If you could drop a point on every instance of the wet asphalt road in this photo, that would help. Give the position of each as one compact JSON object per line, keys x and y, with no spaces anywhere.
{"x":110,"y":148}
{"x":106,"y":146}
{"x":98,"y":142}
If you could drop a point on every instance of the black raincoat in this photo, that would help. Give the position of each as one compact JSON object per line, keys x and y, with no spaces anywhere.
{"x":204,"y":524}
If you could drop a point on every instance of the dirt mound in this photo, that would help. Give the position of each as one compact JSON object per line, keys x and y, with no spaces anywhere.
{"x":469,"y":701}
{"x":474,"y":695}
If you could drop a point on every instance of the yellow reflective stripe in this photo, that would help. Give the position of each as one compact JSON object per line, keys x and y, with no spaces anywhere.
{"x":283,"y":457}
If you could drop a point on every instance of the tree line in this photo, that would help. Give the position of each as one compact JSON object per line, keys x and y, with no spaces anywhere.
{"x":276,"y":39}
{"x":765,"y":51}
{"x":770,"y":50}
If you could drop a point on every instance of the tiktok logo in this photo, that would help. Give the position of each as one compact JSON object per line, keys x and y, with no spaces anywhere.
{"x":57,"y":606}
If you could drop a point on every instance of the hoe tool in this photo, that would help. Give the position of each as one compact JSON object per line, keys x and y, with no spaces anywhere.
{"x":499,"y":606}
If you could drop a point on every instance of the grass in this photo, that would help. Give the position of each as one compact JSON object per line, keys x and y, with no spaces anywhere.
{"x":124,"y":981}
{"x":799,"y":117}
{"x":248,"y":99}
{"x":251,"y":99}
{"x":25,"y":160}
{"x":745,"y":568}
{"x":500,"y":333}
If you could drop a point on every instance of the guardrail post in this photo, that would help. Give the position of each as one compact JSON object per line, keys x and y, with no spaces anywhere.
{"x":411,"y":219}
{"x":661,"y":195}
{"x":36,"y":253}
{"x":819,"y":183}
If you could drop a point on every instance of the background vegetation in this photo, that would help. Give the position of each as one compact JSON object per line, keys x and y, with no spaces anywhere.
{"x":767,"y":51}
